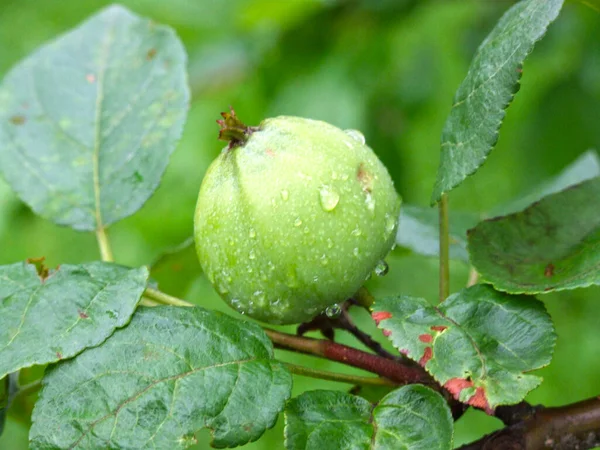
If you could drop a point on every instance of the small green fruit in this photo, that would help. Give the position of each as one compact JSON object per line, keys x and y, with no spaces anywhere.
{"x":292,"y":217}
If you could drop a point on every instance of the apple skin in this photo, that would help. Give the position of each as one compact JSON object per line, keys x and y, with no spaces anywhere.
{"x":294,"y":219}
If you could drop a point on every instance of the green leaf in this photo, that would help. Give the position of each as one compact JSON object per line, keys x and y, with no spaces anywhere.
{"x":471,"y":130}
{"x":177,"y":268}
{"x":413,"y":417}
{"x":9,"y":387}
{"x":419,"y":231}
{"x":88,"y":122}
{"x":155,"y":383}
{"x":583,"y":168}
{"x":479,"y":344}
{"x":552,"y":245}
{"x":43,"y":320}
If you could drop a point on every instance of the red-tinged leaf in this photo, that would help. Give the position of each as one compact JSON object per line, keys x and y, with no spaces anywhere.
{"x":479,"y":344}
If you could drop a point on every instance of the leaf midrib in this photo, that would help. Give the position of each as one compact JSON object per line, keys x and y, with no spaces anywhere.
{"x":105,"y":53}
{"x":137,"y":395}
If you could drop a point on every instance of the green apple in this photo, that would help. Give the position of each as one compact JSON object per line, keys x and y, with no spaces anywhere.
{"x":292,"y":217}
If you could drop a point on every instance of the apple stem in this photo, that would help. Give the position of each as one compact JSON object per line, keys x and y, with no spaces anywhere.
{"x":233,"y":129}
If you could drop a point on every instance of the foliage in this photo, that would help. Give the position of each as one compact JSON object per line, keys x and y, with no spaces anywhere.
{"x":479,"y":343}
{"x":412,"y":417}
{"x":88,"y":123}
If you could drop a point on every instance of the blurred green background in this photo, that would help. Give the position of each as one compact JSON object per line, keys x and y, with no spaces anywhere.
{"x":386,"y":67}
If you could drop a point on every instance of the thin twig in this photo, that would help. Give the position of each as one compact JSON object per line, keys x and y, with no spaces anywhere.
{"x":145,"y":301}
{"x":30,"y":388}
{"x":327,"y":326}
{"x":341,"y":377}
{"x":104,"y":245}
{"x":388,"y":368}
{"x":346,"y":323}
{"x":165,"y":299}
{"x":444,"y":248}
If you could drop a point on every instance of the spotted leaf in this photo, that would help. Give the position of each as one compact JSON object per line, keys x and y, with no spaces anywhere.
{"x":170,"y":373}
{"x":479,"y":344}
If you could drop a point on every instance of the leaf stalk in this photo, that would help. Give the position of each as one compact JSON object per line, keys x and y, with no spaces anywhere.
{"x":444,"y":249}
{"x":340,"y":377}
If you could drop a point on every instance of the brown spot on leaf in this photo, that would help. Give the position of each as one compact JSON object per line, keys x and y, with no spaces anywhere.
{"x":270,"y":152}
{"x":549,"y":270}
{"x":427,"y":355}
{"x":455,"y":385}
{"x":17,"y":120}
{"x":83,"y":315}
{"x":427,"y":338}
{"x":548,"y":289}
{"x":59,"y":355}
{"x":478,"y":400}
{"x":387,"y":333}
{"x":519,"y":70}
{"x":151,"y":54}
{"x":91,"y":78}
{"x":177,"y":267}
{"x":378,"y":316}
{"x":439,"y":328}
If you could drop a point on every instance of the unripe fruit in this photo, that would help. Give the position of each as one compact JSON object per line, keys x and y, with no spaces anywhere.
{"x":292,"y":217}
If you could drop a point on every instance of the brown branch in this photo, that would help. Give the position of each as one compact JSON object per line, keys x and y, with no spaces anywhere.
{"x":345,"y":323}
{"x":327,"y":325}
{"x":387,"y":368}
{"x":575,"y":426}
{"x":513,"y":414}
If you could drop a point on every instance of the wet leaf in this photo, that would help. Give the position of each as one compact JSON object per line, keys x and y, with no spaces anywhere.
{"x":88,"y":122}
{"x":480,"y":344}
{"x":412,"y":418}
{"x":552,"y":245}
{"x":471,"y":130}
{"x":43,"y":320}
{"x":171,"y":372}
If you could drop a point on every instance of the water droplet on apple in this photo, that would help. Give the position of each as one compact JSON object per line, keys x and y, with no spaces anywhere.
{"x":329,"y":198}
{"x":333,"y":311}
{"x":370,"y":202}
{"x":381,"y":269}
{"x":390,"y":223}
{"x":356,"y":135}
